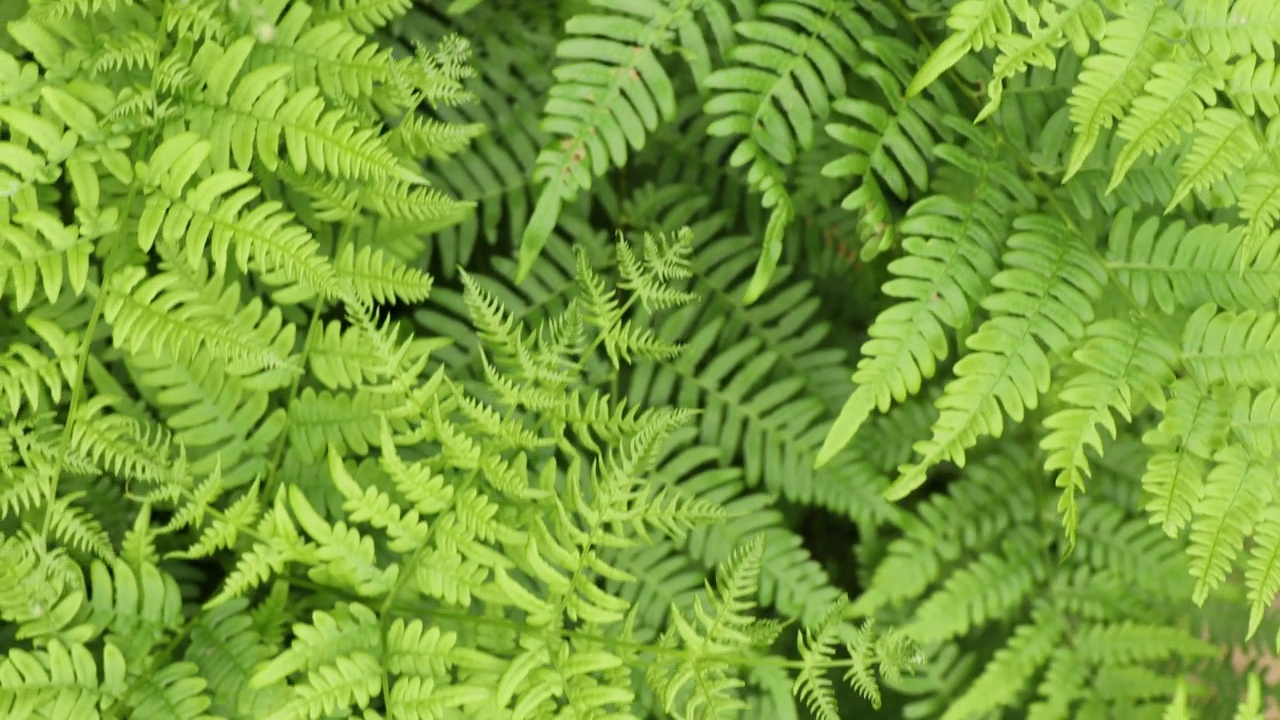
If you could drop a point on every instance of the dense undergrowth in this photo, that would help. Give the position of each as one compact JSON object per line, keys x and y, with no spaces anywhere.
{"x":639,"y":358}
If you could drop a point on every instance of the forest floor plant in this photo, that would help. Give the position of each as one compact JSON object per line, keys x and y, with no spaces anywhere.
{"x":234,"y":483}
{"x":639,"y":359}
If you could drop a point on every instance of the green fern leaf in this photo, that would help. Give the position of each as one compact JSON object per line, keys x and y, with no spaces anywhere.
{"x":974,"y":24}
{"x":951,"y":247}
{"x":1009,"y":367}
{"x":1112,"y":79}
{"x":1262,"y":575}
{"x":1183,"y":443}
{"x":1179,"y":267}
{"x":1235,"y":493}
{"x":1029,"y":647}
{"x":1224,"y":141}
{"x":1123,"y":361}
{"x":782,"y":79}
{"x":1254,"y":86}
{"x":608,"y":98}
{"x":1172,"y":101}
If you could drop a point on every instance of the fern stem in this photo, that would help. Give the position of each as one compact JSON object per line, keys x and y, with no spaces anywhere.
{"x":82,"y":360}
{"x":269,"y":487}
{"x":465,"y":617}
{"x":77,"y":396}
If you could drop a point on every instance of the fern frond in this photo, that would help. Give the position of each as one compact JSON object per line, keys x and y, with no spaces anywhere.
{"x":62,"y":676}
{"x":989,"y":587}
{"x":38,"y":252}
{"x":974,"y":24}
{"x":31,"y":375}
{"x":1062,"y":22}
{"x":1113,"y":78}
{"x":248,"y":122}
{"x":1254,"y":86}
{"x":1260,"y":206}
{"x":194,"y":218}
{"x":495,"y":172}
{"x":1235,"y":493}
{"x":219,"y":418}
{"x":1176,"y":266}
{"x":341,"y":357}
{"x":176,"y":691}
{"x":76,"y":527}
{"x":610,"y":95}
{"x":343,"y":63}
{"x":1030,"y":646}
{"x":134,"y":51}
{"x":650,"y":276}
{"x":993,"y":490}
{"x":347,"y":421}
{"x":782,"y":78}
{"x":1239,"y":28}
{"x":1194,"y":423}
{"x":365,"y":15}
{"x":377,"y":277}
{"x":1043,"y":305}
{"x":1224,"y":140}
{"x":343,"y":555}
{"x":279,"y":544}
{"x":791,"y":579}
{"x":700,"y":683}
{"x":1172,"y":101}
{"x":1231,"y":347}
{"x":951,"y":248}
{"x":886,"y":149}
{"x":817,"y":647}
{"x":1128,"y":642}
{"x":1262,"y":575}
{"x":226,"y":648}
{"x":119,"y":444}
{"x":1128,"y":367}
{"x":163,"y":314}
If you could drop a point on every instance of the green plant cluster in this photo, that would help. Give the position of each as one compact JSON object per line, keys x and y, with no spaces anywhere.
{"x":608,"y":359}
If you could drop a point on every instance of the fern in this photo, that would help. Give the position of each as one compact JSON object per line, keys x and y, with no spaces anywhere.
{"x":781,"y":79}
{"x":755,"y":359}
{"x":940,"y":283}
{"x":604,"y":103}
{"x":1049,"y":283}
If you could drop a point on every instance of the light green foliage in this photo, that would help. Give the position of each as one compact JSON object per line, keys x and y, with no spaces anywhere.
{"x":750,"y":359}
{"x":237,"y":481}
